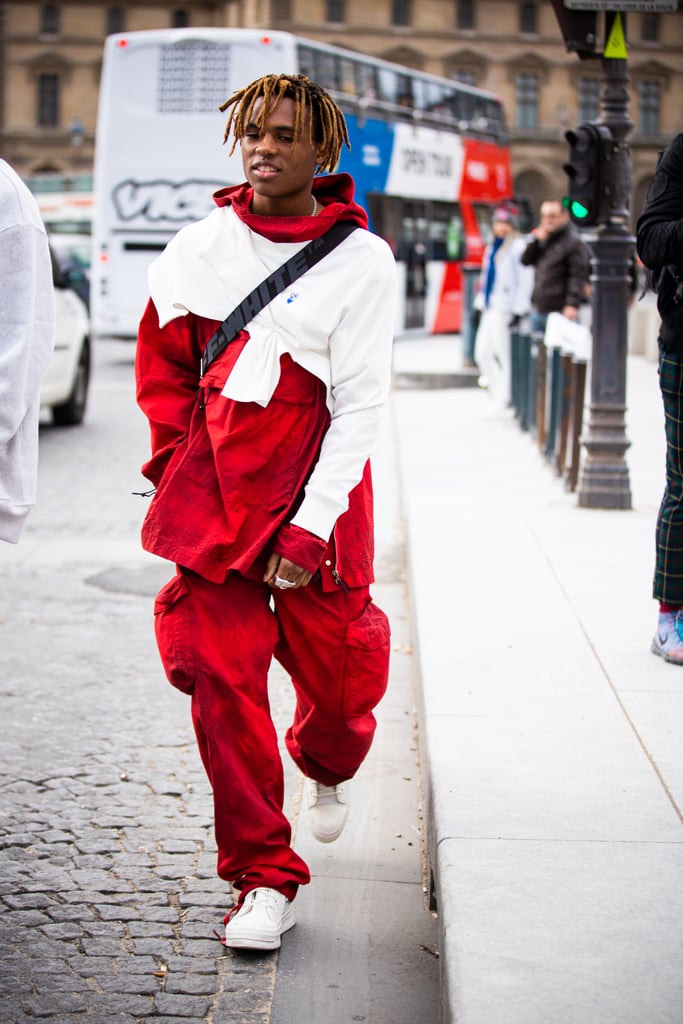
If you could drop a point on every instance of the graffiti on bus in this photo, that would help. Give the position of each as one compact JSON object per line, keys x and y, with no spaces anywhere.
{"x":162,"y":200}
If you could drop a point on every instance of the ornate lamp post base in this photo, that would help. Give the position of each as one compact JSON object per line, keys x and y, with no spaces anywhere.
{"x":604,"y":478}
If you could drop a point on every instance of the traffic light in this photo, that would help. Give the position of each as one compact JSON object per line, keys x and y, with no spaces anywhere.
{"x":590,"y":154}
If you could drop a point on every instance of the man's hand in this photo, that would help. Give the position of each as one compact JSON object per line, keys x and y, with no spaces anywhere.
{"x":281,"y":574}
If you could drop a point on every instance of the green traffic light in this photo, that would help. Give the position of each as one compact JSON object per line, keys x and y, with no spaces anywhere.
{"x":576,"y":208}
{"x":579,"y":210}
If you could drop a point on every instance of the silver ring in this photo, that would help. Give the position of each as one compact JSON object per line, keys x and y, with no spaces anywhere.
{"x":283,"y":584}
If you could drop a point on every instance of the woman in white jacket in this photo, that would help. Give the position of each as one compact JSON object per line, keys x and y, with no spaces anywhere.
{"x":26,"y":341}
{"x":504,"y":292}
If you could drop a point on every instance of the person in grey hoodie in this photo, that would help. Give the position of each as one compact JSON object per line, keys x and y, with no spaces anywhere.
{"x":27,"y":332}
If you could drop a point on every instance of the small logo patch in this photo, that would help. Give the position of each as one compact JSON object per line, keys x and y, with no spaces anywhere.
{"x":292,"y":296}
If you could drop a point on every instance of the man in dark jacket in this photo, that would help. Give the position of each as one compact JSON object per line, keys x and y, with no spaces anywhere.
{"x":562,"y":266}
{"x":659,"y":240}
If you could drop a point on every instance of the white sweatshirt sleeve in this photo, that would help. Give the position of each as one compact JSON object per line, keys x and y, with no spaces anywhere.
{"x":360,"y":363}
{"x":26,"y":340}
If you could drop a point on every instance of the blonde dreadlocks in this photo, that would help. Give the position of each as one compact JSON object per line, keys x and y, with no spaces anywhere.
{"x":327,"y":130}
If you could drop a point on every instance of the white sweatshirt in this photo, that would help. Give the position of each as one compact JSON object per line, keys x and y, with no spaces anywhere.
{"x":337,"y":321}
{"x":27,"y":332}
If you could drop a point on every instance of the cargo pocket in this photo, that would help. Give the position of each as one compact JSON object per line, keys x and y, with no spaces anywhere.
{"x":366,"y":664}
{"x":173,"y":629}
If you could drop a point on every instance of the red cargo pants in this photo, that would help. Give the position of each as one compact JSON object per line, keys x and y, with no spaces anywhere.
{"x":216,"y":643}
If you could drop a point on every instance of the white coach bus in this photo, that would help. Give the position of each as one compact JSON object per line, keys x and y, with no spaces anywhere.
{"x":429,"y":157}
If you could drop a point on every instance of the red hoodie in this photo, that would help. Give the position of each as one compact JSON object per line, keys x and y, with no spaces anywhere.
{"x":229,"y":475}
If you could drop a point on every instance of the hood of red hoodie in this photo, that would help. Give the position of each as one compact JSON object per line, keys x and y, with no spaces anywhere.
{"x":334,"y":193}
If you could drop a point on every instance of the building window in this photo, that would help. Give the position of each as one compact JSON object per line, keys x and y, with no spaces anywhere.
{"x":526,"y":95}
{"x":115,"y":20}
{"x":400,"y":12}
{"x":48,"y":101}
{"x":588,"y":99}
{"x":181,"y":19}
{"x":465,"y":75}
{"x":49,"y":19}
{"x":648,"y":101}
{"x":335,"y":12}
{"x":281,"y":10}
{"x":464,"y":14}
{"x":527,"y":19}
{"x":650,"y":28}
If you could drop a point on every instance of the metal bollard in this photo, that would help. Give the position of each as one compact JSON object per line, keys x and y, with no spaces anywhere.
{"x":577,"y":398}
{"x":515,"y":374}
{"x":531,"y":383}
{"x":524,"y":379}
{"x":566,"y":371}
{"x":540,"y":396}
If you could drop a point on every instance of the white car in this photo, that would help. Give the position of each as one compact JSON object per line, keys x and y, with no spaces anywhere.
{"x":67,"y":379}
{"x":73,"y":256}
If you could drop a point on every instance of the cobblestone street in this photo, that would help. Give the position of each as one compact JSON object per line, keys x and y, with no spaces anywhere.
{"x":106,"y":813}
{"x":107,"y":880}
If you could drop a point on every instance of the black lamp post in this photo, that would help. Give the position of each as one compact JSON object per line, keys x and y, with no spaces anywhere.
{"x":604,"y":477}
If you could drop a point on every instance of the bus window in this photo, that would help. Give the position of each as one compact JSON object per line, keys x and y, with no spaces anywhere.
{"x":414,"y":250}
{"x":446,"y":235}
{"x":495,"y":113}
{"x":307,"y":62}
{"x":436,"y":227}
{"x":326,"y":71}
{"x":347,"y":76}
{"x":467,"y":107}
{"x":319,"y":66}
{"x":484,"y":215}
{"x":435,"y":99}
{"x":405,"y":92}
{"x":385,"y":215}
{"x":367,"y":85}
{"x":388,"y":86}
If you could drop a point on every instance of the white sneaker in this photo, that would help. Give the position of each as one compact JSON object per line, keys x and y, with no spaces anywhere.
{"x":260,"y":921}
{"x":668,"y":640}
{"x":328,"y":809}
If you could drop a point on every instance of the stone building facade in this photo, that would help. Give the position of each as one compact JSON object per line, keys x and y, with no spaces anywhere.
{"x":50,"y":63}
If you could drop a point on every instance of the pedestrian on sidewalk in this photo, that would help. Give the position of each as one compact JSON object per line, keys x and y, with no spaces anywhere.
{"x":27,"y":338}
{"x":561,"y":263}
{"x":263,"y":490}
{"x":659,"y":242}
{"x":503,"y":298}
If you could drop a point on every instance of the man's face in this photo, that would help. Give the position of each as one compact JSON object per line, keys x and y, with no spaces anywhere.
{"x":553,"y":216}
{"x":280,"y":171}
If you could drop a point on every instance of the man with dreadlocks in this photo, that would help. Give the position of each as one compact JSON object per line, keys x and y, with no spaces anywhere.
{"x":263,"y":493}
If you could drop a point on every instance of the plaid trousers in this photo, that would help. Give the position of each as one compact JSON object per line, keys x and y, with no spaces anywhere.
{"x":667,"y":584}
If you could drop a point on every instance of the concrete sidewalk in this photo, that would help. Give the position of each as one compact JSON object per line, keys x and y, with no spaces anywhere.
{"x":550,"y":735}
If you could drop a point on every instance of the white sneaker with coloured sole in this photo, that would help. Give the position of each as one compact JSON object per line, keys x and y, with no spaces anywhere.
{"x":667,"y":642}
{"x":328,"y":809}
{"x":260,"y":921}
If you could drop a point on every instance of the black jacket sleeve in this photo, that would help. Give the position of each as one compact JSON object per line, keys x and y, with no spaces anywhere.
{"x":659,"y":231}
{"x":532,"y":252}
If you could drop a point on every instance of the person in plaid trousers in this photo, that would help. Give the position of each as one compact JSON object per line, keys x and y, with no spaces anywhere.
{"x":659,"y":242}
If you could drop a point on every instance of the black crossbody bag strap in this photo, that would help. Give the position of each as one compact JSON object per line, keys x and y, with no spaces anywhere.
{"x":271,"y":286}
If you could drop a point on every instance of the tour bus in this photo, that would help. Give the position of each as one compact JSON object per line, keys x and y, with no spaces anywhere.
{"x":429,"y":157}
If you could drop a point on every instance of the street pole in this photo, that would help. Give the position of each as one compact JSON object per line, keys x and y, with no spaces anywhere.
{"x":604,"y":478}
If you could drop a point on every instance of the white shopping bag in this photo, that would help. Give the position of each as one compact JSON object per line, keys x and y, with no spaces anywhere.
{"x":570,"y":336}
